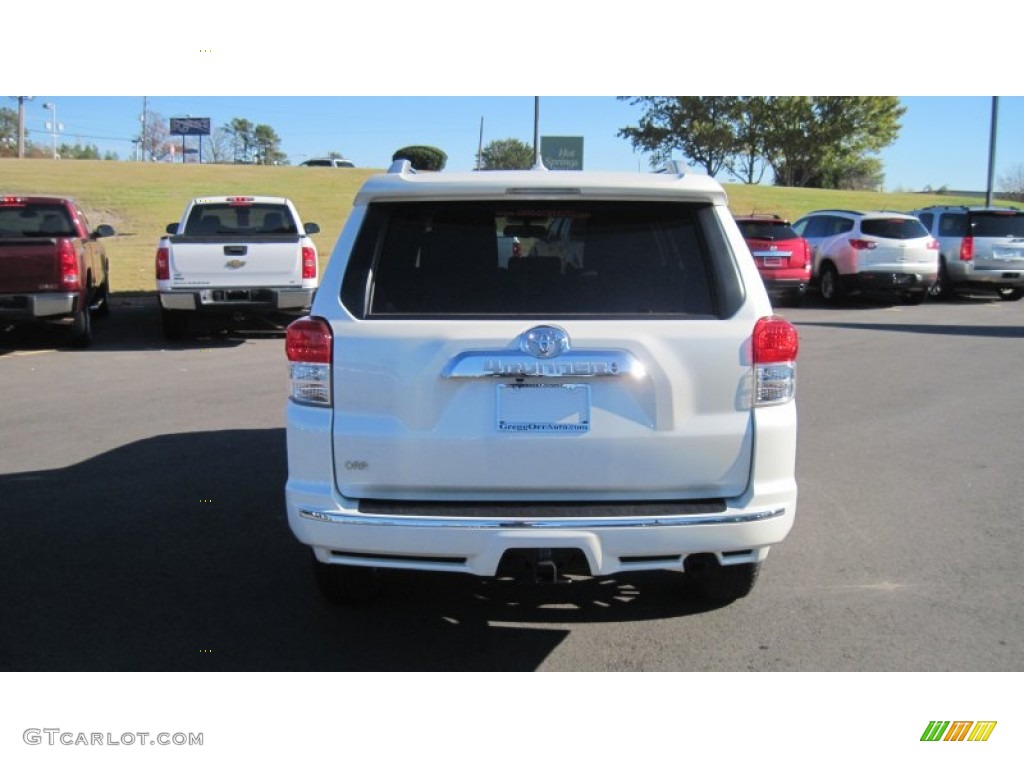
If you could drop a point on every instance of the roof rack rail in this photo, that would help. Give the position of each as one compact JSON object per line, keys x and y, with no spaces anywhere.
{"x":402,"y":166}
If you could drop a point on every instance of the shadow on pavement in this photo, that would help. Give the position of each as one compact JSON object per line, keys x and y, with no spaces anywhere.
{"x":173,"y":553}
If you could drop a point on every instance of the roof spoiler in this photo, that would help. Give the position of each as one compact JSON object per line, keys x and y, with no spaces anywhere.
{"x":402,"y":167}
{"x":675,"y":168}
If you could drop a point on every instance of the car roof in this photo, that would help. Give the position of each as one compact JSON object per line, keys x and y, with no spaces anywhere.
{"x":403,"y":183}
{"x":249,"y":198}
{"x":762,"y":217}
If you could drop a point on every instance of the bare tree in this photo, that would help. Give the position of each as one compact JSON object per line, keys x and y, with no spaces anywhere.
{"x":217,"y":146}
{"x":155,"y":144}
{"x":1012,"y":182}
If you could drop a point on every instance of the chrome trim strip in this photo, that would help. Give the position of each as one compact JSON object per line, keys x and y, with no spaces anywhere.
{"x":396,"y":521}
{"x":514,"y":364}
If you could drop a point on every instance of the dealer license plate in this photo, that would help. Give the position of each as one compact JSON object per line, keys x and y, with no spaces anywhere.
{"x":543,"y":408}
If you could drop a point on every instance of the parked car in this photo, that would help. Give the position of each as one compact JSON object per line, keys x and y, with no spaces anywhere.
{"x":629,"y":410}
{"x":880,"y":252}
{"x":53,"y":267}
{"x":230,"y":254}
{"x":980,"y":249}
{"x":783,"y":257}
{"x":329,"y":162}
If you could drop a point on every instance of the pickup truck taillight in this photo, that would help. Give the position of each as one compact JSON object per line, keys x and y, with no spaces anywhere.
{"x":308,"y":263}
{"x":309,"y":345}
{"x":163,"y":263}
{"x":70,"y":277}
{"x":775,"y":346}
{"x":967,"y":249}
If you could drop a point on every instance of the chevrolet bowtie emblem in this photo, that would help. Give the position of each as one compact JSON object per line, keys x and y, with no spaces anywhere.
{"x":235,"y":263}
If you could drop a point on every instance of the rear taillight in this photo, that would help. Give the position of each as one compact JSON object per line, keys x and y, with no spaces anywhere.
{"x":967,"y":249}
{"x":863,"y":245}
{"x":309,"y":345}
{"x":163,"y":264}
{"x":517,"y":249}
{"x":933,"y":244}
{"x":70,"y":277}
{"x":308,"y":263}
{"x":775,"y":345}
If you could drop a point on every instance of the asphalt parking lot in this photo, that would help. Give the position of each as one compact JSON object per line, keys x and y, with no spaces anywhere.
{"x":142,"y":520}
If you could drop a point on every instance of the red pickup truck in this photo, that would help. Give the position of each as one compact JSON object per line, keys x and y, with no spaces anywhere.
{"x":52,"y":265}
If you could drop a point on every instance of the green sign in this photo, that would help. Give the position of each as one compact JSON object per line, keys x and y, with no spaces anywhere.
{"x":562,"y":153}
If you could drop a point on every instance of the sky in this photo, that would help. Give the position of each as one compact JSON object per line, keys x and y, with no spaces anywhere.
{"x":944,"y":140}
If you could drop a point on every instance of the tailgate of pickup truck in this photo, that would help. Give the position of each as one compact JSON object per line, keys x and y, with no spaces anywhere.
{"x":263,"y":261}
{"x":28,"y":265}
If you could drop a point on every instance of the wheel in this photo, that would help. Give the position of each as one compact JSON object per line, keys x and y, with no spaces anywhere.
{"x":913,"y":297}
{"x":344,"y":584}
{"x":942,"y":288}
{"x":721,"y":584}
{"x":101,"y":302}
{"x":1011,"y":294}
{"x":174,"y":324}
{"x":81,"y":328}
{"x":829,"y":284}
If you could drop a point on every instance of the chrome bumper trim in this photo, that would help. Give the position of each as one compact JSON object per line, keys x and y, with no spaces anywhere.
{"x":354,"y":518}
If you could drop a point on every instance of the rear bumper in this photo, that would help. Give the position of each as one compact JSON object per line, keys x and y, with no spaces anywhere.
{"x":735,"y":530}
{"x":888,"y":281}
{"x":234,"y":299}
{"x":966,"y":274}
{"x":34,"y":306}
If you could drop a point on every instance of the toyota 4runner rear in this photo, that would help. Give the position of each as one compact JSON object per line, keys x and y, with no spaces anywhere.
{"x":629,"y":409}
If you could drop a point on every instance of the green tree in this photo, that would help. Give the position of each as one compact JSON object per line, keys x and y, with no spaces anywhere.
{"x":240,"y":134}
{"x":747,"y":163}
{"x":8,"y":132}
{"x":816,"y":141}
{"x":423,"y":158}
{"x":267,"y":146}
{"x":702,"y":128}
{"x":78,"y":151}
{"x":507,"y":154}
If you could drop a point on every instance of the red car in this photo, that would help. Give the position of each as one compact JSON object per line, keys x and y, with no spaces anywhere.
{"x":783,"y":257}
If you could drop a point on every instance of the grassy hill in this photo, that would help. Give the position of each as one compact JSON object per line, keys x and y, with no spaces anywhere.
{"x":140,"y":199}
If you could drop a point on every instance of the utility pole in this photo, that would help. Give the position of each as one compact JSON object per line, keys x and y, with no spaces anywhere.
{"x":142,"y":117}
{"x":538,"y":161}
{"x":21,"y":122}
{"x":480,"y":145}
{"x":992,"y":152}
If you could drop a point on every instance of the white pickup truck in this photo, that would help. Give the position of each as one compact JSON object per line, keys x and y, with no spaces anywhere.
{"x":232,"y":254}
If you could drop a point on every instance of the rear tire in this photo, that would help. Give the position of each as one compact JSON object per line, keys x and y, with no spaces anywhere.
{"x":1011,"y":294}
{"x":344,"y":584}
{"x":942,"y":288}
{"x":81,"y":328}
{"x":829,"y":284}
{"x":174,"y":324}
{"x":722,"y":584}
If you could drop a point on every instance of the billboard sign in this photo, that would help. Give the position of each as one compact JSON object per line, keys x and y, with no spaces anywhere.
{"x":190,"y":126}
{"x":562,"y":153}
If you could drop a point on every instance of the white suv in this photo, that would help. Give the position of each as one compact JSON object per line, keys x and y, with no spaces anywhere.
{"x":878,"y":252}
{"x":631,"y":409}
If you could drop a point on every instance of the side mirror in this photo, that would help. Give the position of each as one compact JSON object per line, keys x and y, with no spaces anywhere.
{"x":104,"y":230}
{"x":311,"y":228}
{"x":171,"y":228}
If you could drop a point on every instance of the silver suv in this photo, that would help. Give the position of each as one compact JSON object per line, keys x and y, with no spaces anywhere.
{"x":980,"y":249}
{"x":628,"y":409}
{"x":879,"y":252}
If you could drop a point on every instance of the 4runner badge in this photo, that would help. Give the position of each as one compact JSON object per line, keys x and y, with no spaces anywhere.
{"x":544,"y":341}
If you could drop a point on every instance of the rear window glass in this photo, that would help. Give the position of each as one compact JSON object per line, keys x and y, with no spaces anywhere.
{"x":766,"y":230}
{"x":36,"y":220}
{"x":228,"y":219}
{"x":893,"y":229}
{"x":990,"y":224}
{"x":953,"y":225}
{"x":535,"y":258}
